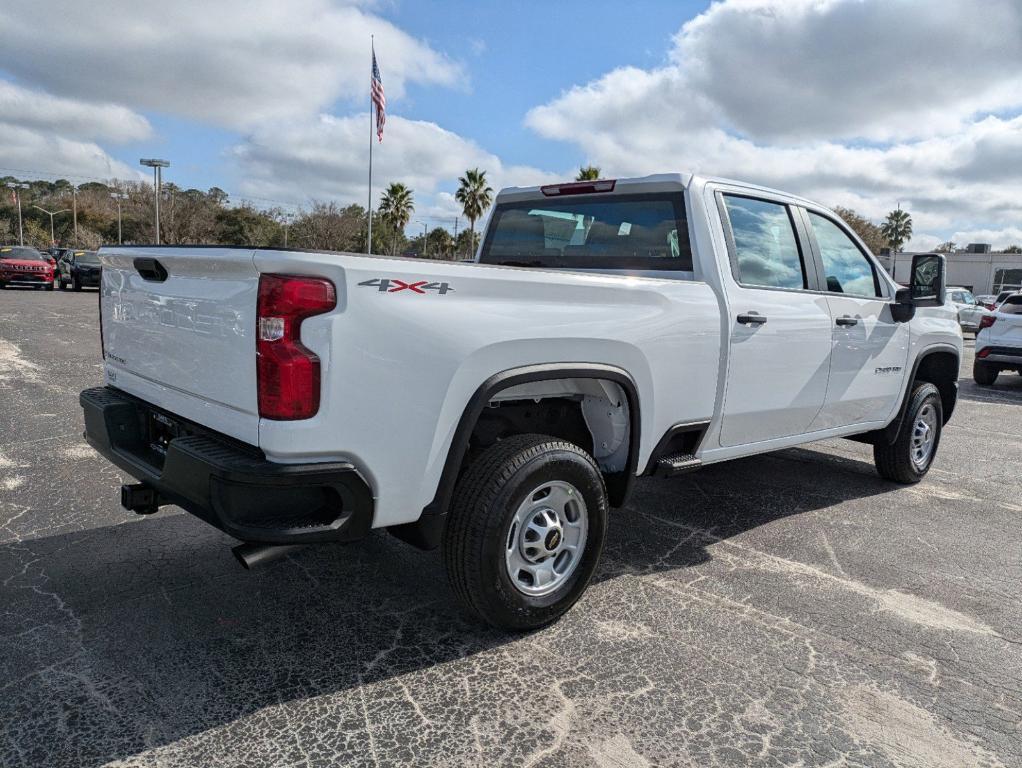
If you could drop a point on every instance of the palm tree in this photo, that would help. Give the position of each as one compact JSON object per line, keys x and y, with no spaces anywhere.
{"x":474,"y":195}
{"x":588,"y":173}
{"x":396,"y":207}
{"x":897,"y":228}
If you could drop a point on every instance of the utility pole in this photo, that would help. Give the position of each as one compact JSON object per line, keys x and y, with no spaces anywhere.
{"x":425,"y":241}
{"x":51,"y":214}
{"x":118,"y":196}
{"x":17,"y":196}
{"x":287,"y":223}
{"x":74,"y":208}
{"x":156,"y":164}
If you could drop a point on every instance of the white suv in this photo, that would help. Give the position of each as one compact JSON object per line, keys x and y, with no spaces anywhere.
{"x":999,"y":341}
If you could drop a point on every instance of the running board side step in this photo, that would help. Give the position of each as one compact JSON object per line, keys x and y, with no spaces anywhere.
{"x":677,"y":464}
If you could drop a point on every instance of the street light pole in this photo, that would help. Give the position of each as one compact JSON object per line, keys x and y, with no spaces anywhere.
{"x":287,"y":223}
{"x":425,"y":242}
{"x":156,"y":164}
{"x":17,"y":195}
{"x":118,"y":197}
{"x":51,"y":214}
{"x":74,"y":208}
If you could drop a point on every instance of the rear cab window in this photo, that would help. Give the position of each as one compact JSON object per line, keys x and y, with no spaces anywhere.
{"x":633,"y":232}
{"x":766,"y":249}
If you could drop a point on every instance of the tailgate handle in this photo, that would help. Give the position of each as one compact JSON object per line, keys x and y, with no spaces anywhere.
{"x":150,"y":269}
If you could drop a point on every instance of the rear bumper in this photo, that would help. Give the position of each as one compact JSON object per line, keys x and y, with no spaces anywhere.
{"x":993,"y":353}
{"x":90,"y":280}
{"x":229,"y":485}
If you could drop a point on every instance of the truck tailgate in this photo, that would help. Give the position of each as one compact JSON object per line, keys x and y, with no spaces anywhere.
{"x":179,"y":332}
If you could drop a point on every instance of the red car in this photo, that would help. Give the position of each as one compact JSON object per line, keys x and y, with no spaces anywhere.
{"x":25,"y":266}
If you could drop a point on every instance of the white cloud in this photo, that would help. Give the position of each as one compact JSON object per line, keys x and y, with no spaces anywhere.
{"x":784,"y":92}
{"x":327,"y":159}
{"x":853,"y":68}
{"x":70,"y":117}
{"x":998,"y":238}
{"x":238,"y":63}
{"x":25,"y":149}
{"x":41,"y":132}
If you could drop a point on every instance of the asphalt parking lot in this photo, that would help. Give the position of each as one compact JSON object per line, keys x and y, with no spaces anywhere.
{"x":792,"y":609}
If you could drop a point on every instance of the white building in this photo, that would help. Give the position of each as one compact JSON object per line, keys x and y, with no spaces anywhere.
{"x":981,"y":271}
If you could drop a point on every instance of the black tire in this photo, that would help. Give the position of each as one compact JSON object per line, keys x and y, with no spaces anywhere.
{"x":894,"y":461}
{"x":984,"y":373}
{"x":478,"y":526}
{"x":76,"y":283}
{"x":48,"y":287}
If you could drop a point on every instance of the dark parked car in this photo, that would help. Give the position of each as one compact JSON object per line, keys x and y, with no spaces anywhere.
{"x":79,"y":269}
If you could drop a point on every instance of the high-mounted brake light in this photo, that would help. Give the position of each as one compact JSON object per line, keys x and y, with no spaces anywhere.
{"x":986,"y":321}
{"x":579,"y":187}
{"x":287,"y":372}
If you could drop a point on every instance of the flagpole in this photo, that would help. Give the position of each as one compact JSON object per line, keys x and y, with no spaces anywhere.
{"x":369,"y":207}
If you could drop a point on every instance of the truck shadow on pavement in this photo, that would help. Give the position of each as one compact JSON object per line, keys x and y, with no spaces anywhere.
{"x":135,"y":637}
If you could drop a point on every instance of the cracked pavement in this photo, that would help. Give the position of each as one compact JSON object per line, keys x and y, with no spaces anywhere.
{"x":789,"y":609}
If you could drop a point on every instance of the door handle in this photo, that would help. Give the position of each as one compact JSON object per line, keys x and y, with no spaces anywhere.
{"x":751,"y":318}
{"x":847,"y":320}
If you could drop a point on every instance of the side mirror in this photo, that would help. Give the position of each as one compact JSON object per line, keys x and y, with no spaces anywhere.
{"x":927,"y":286}
{"x":903,"y":309}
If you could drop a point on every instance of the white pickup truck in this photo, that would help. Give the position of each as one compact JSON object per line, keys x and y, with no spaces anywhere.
{"x":607,"y":330}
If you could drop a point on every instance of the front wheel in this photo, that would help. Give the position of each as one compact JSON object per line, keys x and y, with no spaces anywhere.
{"x":525,"y":531}
{"x":908,"y":458}
{"x":984,"y":373}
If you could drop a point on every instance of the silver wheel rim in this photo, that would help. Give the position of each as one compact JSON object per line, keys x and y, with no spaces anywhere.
{"x":924,"y":435}
{"x":546,"y":538}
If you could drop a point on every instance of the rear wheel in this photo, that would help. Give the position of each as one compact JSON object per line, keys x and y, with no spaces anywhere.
{"x":76,"y":283}
{"x":908,"y":458}
{"x":984,"y":373}
{"x":525,"y":531}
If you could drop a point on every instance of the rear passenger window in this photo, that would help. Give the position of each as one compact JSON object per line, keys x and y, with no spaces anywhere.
{"x":766,"y":249}
{"x":1012,"y":306}
{"x":846,"y":268}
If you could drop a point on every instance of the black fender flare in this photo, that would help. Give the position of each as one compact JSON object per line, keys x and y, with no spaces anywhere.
{"x":425,"y":532}
{"x":890,"y":432}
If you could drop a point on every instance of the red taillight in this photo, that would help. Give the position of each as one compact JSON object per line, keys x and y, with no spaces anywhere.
{"x":983,"y":352}
{"x":287,"y":372}
{"x":986,"y":321}
{"x":579,"y":188}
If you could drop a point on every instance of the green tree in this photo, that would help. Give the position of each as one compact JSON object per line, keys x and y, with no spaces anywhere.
{"x":867,"y":231}
{"x":474,"y":195}
{"x":440,"y":244}
{"x":588,"y":173}
{"x":396,"y":207}
{"x":949,"y":247}
{"x":467,"y":243}
{"x":244,"y":225}
{"x":897,"y":228}
{"x":1013,"y":249}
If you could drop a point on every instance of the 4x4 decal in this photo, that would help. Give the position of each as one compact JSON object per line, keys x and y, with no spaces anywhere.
{"x":393,"y":285}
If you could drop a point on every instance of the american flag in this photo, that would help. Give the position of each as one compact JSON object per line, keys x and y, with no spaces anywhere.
{"x":378,"y":98}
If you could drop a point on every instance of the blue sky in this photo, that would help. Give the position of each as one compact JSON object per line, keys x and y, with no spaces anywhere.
{"x":540,"y":50}
{"x":848,"y":102}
